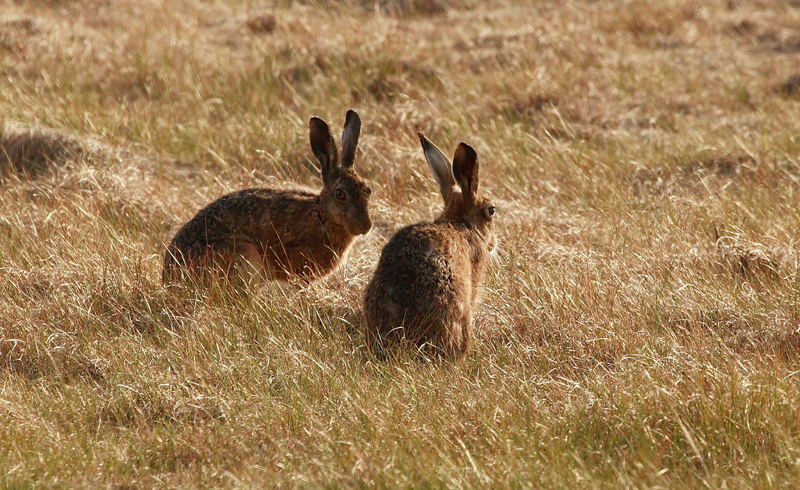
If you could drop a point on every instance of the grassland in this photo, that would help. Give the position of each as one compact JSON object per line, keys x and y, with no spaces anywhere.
{"x":641,"y":326}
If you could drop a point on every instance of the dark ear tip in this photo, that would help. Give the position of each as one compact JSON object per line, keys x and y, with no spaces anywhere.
{"x":471,"y":153}
{"x":350,"y":115}
{"x":422,"y":138}
{"x":315,"y":121}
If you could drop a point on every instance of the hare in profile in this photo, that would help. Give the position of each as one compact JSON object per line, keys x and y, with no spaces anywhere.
{"x":426,"y":285}
{"x":281,"y":233}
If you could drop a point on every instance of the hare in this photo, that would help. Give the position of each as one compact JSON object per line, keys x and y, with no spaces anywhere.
{"x":282,"y":234}
{"x":426,"y":285}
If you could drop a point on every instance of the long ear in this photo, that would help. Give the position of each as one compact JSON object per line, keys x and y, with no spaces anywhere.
{"x":352,"y":130}
{"x":465,"y":170}
{"x":439,"y":165}
{"x":323,"y":146}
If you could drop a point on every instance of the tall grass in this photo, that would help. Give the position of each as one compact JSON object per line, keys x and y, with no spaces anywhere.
{"x":639,"y":327}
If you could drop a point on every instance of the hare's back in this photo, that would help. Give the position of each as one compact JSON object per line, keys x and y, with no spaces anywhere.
{"x":258,"y":202}
{"x":245,"y":212}
{"x":422,"y":265}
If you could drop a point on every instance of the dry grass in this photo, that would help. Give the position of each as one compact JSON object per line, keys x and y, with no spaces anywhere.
{"x":640,"y":328}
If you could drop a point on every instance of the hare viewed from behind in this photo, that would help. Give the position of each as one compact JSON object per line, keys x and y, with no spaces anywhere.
{"x":281,"y":233}
{"x":426,"y":285}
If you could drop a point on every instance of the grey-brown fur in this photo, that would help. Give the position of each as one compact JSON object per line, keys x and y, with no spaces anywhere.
{"x":427,"y":282}
{"x":279,"y":233}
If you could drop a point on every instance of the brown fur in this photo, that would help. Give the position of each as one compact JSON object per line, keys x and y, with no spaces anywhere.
{"x":427,"y":282}
{"x":282,"y":234}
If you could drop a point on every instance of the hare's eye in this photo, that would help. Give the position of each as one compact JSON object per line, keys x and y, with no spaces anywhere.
{"x":490,"y":212}
{"x":340,"y":195}
{"x":367,"y":191}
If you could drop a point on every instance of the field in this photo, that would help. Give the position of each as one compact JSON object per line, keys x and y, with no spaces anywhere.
{"x":639,"y":328}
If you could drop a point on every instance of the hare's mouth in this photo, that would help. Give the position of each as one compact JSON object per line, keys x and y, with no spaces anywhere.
{"x":361,"y":228}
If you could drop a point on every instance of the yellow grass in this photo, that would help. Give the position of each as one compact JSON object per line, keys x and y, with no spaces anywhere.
{"x":641,"y":326}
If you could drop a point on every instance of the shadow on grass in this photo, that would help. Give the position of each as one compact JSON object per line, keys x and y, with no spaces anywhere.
{"x":32,"y":153}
